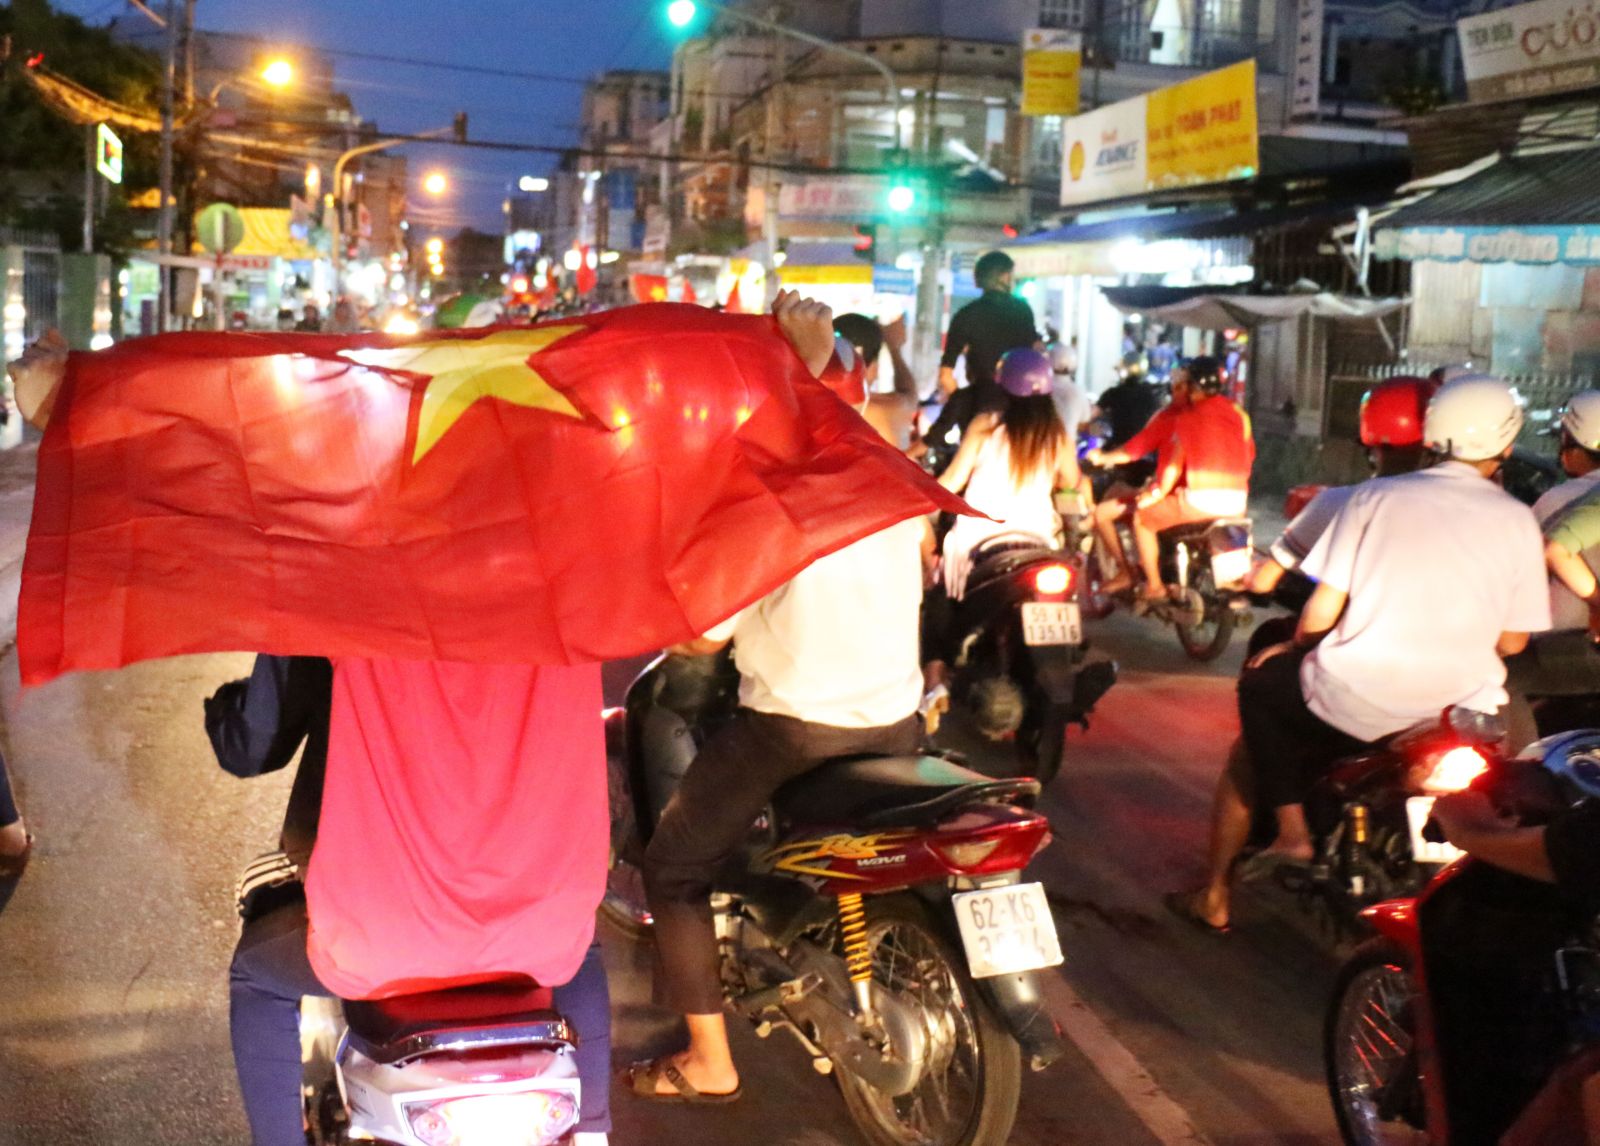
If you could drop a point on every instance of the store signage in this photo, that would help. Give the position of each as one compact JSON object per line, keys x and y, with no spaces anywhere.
{"x":894,"y":280}
{"x":1530,"y":49}
{"x":1307,"y":94}
{"x":1577,"y":245}
{"x":108,"y":153}
{"x":850,"y":197}
{"x":838,"y":275}
{"x":1203,"y":130}
{"x":1052,"y":67}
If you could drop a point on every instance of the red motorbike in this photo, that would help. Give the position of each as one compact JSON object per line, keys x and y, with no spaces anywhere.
{"x":1445,"y":1025}
{"x":877,"y":914}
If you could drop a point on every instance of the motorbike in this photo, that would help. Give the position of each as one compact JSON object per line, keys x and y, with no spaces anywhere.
{"x":878,"y":915}
{"x":489,"y":1065}
{"x":1021,"y":666}
{"x":1367,"y":815}
{"x":1445,"y":1025}
{"x":1201,"y":564}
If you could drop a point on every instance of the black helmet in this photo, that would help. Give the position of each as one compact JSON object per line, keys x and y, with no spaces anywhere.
{"x":1205,"y":374}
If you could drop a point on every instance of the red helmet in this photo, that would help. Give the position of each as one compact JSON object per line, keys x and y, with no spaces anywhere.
{"x":846,"y":375}
{"x":1392,"y":411}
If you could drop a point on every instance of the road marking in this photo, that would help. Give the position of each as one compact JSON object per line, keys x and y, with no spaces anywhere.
{"x":1168,"y":1122}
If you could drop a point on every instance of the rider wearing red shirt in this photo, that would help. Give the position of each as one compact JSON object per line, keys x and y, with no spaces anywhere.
{"x":1204,"y":451}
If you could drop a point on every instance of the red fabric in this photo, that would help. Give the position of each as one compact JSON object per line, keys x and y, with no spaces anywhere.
{"x":1208,"y":442}
{"x":585,"y":279}
{"x":259,"y":492}
{"x":648,"y":288}
{"x":463,"y":835}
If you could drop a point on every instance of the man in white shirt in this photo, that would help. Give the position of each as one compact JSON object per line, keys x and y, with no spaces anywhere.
{"x":1564,"y":661}
{"x":1423,"y":582}
{"x":829,"y":666}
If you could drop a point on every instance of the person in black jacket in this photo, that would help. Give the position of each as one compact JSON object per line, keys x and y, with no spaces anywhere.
{"x":256,"y":726}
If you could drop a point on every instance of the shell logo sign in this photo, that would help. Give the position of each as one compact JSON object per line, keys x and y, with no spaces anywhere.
{"x":1076,"y":159}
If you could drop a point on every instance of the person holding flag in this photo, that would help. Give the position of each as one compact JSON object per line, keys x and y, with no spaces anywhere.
{"x":424,"y":514}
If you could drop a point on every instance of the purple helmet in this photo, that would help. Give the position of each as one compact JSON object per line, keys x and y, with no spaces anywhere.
{"x":1026,"y":372}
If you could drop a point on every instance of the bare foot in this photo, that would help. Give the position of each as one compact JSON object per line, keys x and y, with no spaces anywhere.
{"x":13,"y":839}
{"x":1207,"y":908}
{"x":704,"y":1077}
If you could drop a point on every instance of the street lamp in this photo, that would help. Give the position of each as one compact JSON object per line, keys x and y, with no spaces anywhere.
{"x":435,"y":183}
{"x":531,"y":183}
{"x":335,"y":236}
{"x":278,"y":73}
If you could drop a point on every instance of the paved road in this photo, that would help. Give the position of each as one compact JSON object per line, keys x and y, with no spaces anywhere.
{"x":113,"y":949}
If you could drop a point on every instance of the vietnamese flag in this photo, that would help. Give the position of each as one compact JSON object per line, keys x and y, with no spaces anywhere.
{"x":568,"y":492}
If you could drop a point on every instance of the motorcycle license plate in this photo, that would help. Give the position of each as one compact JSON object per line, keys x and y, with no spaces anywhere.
{"x":1007,"y":929}
{"x":1418,"y":809}
{"x":1049,"y":623}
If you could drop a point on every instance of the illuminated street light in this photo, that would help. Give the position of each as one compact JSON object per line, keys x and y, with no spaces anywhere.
{"x":435,"y":246}
{"x":278,"y":73}
{"x":533,"y":183}
{"x":681,"y":12}
{"x":435,"y":183}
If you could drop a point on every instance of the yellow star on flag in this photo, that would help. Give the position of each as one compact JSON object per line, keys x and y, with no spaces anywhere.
{"x":462,"y":371}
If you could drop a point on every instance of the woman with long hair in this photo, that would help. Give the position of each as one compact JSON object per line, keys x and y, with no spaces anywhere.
{"x":1010,"y":465}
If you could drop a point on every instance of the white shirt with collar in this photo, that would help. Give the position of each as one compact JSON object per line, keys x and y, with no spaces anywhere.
{"x":1437,"y":564}
{"x":1308,"y":526}
{"x":1567,"y":609}
{"x":838,"y":643}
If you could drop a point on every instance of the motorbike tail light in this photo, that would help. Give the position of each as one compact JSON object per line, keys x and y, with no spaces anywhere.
{"x":522,"y":1118}
{"x":1454,"y":771}
{"x":967,"y":854}
{"x":1053,"y":580}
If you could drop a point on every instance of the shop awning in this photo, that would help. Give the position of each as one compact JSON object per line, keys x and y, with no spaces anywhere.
{"x":1086,"y":248}
{"x":267,"y":235}
{"x":1538,"y":208}
{"x":1210,"y":309}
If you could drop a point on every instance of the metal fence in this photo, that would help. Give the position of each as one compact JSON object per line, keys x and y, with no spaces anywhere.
{"x":1543,"y":395}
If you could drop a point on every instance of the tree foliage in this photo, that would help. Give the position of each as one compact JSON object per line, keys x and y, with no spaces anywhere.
{"x":42,"y":155}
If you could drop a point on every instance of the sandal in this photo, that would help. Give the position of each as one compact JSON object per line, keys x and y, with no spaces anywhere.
{"x":1267,"y":862}
{"x":1182,"y":904}
{"x":11,"y":867}
{"x":643,"y":1078}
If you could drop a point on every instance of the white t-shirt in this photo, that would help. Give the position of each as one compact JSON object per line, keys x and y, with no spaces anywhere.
{"x":838,"y":643}
{"x":1072,"y":404}
{"x":1437,"y":564}
{"x":1308,"y":526}
{"x":1567,"y":610}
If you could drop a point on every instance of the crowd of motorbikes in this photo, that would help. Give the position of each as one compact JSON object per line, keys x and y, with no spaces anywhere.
{"x":880,"y":916}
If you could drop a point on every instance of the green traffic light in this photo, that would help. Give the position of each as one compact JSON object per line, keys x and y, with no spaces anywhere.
{"x":902,"y":198}
{"x":681,"y":12}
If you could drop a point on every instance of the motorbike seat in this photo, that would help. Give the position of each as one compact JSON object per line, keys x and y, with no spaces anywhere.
{"x":406,"y":1027}
{"x":892,"y":791}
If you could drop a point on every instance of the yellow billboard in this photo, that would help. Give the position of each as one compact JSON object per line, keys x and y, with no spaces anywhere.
{"x":1052,"y":66}
{"x":1203,"y":130}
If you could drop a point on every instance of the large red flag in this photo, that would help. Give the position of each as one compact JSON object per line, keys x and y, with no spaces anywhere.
{"x":574,"y":491}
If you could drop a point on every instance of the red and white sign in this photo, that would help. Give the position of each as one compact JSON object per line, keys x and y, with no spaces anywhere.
{"x":1530,"y":50}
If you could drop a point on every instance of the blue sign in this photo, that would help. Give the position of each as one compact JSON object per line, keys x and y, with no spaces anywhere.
{"x":1538,"y":245}
{"x":893,"y":280}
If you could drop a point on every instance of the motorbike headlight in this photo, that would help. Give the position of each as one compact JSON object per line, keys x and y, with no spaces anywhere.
{"x":1454,"y":771}
{"x":1053,"y":580}
{"x":526,"y":1118}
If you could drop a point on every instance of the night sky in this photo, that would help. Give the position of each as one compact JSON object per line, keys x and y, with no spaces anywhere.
{"x":566,"y":38}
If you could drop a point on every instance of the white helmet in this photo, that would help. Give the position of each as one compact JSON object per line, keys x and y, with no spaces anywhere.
{"x":1472,"y":418}
{"x":1580,"y":418}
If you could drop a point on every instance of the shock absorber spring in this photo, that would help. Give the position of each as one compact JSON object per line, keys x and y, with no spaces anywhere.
{"x":857,"y":952}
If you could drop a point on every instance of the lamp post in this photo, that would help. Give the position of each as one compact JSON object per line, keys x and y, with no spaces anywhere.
{"x":336,"y":232}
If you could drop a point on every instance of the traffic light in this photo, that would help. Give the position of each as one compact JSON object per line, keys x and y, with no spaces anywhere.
{"x":866,"y":242}
{"x":459,"y":128}
{"x":902,"y":197}
{"x":681,"y":13}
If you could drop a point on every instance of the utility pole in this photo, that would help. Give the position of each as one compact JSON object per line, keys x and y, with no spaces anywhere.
{"x":90,"y":137}
{"x":164,"y":210}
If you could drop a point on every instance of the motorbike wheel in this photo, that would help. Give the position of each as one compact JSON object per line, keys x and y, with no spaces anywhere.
{"x":624,"y":903}
{"x":1369,"y":1048}
{"x":1044,"y":739}
{"x":1093,"y":601}
{"x":969,"y":1090}
{"x":1207,"y":640}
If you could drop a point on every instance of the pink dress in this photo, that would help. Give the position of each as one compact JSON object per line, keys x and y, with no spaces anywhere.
{"x":464,"y":830}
